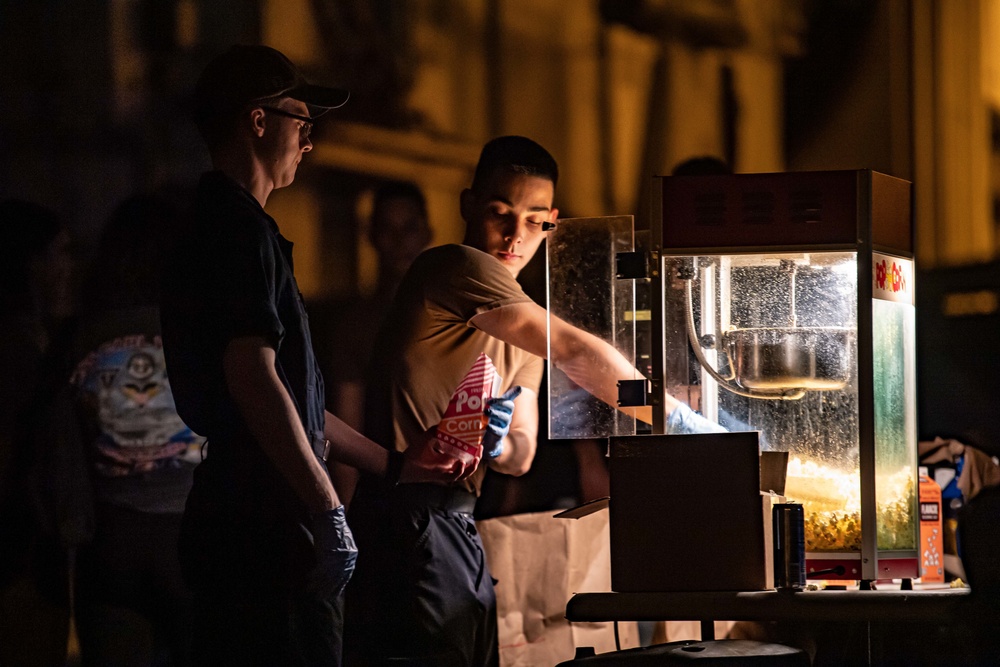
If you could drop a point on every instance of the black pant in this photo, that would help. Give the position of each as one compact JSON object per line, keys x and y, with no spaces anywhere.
{"x":270,"y":631}
{"x":421,"y":593}
{"x":132,"y":606}
{"x":248,"y":565}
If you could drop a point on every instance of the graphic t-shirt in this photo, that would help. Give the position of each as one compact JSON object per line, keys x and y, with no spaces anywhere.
{"x":141,"y":452}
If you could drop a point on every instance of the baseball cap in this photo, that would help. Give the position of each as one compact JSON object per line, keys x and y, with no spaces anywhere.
{"x":247,"y":73}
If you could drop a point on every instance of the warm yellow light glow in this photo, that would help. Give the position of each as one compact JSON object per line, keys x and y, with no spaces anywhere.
{"x":963,"y":304}
{"x":187,"y":24}
{"x":831,"y":499}
{"x":297,"y":211}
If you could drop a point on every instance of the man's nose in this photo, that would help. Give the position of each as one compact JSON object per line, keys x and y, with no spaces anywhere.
{"x":515,"y":229}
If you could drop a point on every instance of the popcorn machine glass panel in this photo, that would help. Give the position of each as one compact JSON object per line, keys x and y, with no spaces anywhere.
{"x":770,"y":342}
{"x":583,"y":290}
{"x":894,"y":374}
{"x":777,"y":352}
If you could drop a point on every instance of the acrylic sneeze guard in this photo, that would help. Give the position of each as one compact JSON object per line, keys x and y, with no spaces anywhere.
{"x":584,"y":292}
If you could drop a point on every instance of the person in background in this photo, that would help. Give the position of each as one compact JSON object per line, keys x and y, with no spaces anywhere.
{"x":264,"y":540}
{"x":398,"y":231}
{"x":36,"y":270}
{"x":423,"y":566}
{"x":702,"y":165}
{"x":132,"y":606}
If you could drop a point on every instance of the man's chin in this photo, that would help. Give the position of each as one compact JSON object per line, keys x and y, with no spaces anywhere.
{"x":513,"y":265}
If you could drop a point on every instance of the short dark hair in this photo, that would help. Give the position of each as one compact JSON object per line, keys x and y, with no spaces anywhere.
{"x":703,"y":165}
{"x":219,"y":126}
{"x":515,"y":154}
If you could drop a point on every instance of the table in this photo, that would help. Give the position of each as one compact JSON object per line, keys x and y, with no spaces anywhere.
{"x":941,"y":626}
{"x":928,"y":605}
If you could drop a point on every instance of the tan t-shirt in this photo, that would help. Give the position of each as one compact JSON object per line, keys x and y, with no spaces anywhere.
{"x":426,"y":344}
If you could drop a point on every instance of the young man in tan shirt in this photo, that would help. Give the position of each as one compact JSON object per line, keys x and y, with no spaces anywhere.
{"x":422,"y":567}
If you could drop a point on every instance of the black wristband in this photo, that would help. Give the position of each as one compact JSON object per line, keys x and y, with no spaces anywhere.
{"x":394,"y":468}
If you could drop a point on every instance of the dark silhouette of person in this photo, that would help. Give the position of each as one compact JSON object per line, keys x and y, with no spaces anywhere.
{"x":399,"y":231}
{"x":131,"y":604}
{"x":35,"y":299}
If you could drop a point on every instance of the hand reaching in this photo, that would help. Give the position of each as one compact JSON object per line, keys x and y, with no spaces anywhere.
{"x":684,"y":421}
{"x":499,"y":412}
{"x":424,"y":462}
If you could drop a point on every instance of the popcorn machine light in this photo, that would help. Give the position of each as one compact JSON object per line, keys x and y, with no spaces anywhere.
{"x":781,"y":303}
{"x":797,"y":299}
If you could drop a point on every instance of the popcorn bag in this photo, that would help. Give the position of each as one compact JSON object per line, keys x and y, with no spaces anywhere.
{"x":460,"y":432}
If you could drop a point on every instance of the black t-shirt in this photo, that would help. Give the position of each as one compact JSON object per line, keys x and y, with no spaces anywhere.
{"x":232,"y":276}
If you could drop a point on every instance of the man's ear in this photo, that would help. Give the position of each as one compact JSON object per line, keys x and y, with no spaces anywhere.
{"x":466,"y":204}
{"x":257,"y":121}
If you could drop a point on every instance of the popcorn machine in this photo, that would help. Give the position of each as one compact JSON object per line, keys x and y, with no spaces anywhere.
{"x":778,"y":303}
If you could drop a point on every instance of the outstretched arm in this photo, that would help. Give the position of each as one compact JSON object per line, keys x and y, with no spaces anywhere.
{"x":586,"y":359}
{"x":421,"y":461}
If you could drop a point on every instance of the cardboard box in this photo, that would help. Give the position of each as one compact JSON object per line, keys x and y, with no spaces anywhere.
{"x":688,"y":512}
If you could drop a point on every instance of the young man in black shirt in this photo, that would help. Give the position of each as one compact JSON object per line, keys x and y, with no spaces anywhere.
{"x":264,"y":543}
